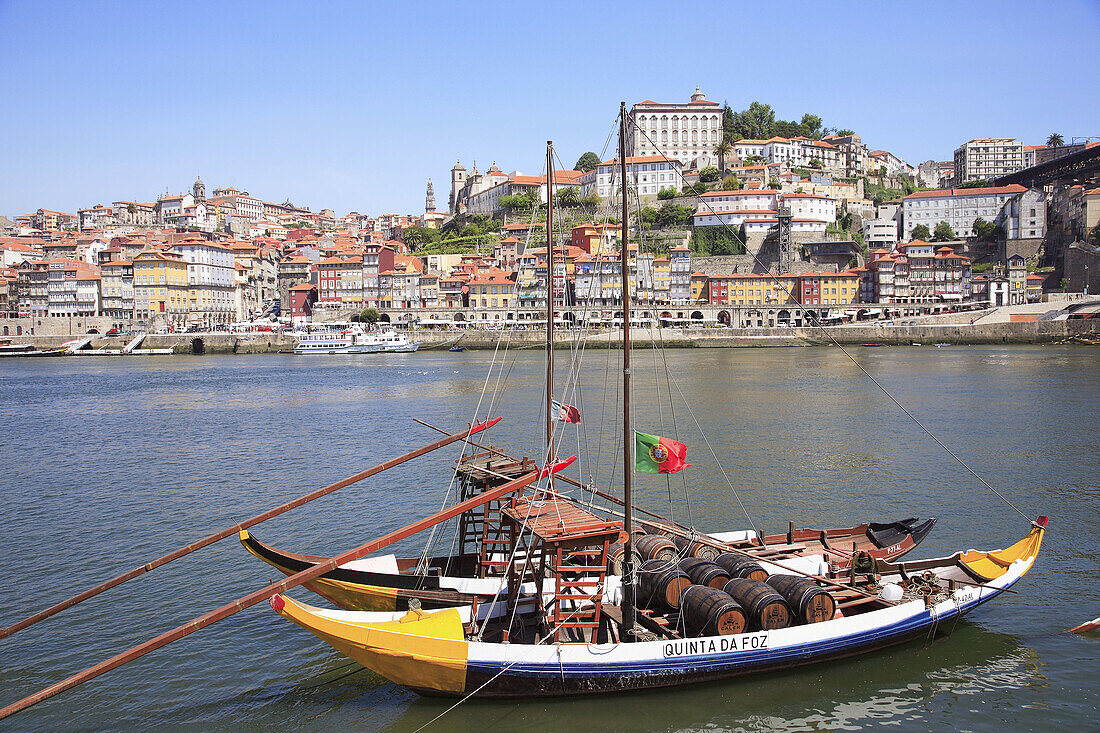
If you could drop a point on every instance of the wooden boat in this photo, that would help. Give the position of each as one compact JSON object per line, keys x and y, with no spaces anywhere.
{"x":456,"y":348}
{"x":435,"y":653}
{"x":387,"y":583}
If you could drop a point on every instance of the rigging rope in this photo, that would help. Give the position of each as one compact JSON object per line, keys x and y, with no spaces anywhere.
{"x":816,"y":323}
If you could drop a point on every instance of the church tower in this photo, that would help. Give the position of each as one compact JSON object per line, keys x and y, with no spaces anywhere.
{"x":199,"y":190}
{"x":458,"y":180}
{"x":429,"y":199}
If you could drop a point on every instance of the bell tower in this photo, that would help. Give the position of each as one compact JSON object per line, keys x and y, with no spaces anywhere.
{"x":199,"y":190}
{"x":429,"y":198}
{"x":458,"y":180}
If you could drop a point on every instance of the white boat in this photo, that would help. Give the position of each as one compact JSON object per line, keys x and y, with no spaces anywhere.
{"x":387,"y":339}
{"x":349,"y":339}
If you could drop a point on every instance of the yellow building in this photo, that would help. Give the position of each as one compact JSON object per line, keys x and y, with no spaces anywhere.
{"x":698,"y":287}
{"x":761,"y":289}
{"x":160,"y":287}
{"x":492,"y":289}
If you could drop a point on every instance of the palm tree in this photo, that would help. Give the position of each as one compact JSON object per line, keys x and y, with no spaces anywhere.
{"x":1055,"y":140}
{"x":722,"y":149}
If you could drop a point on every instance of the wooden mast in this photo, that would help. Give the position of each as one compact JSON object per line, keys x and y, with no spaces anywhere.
{"x":628,"y":436}
{"x":549,"y":304}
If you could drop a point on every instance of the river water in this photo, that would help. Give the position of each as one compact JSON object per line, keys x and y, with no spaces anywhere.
{"x":109,"y":463}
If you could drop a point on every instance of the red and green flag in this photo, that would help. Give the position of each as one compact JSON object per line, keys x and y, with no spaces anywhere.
{"x":654,"y":454}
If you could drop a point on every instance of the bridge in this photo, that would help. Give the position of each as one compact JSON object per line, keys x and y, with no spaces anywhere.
{"x":1082,"y":166}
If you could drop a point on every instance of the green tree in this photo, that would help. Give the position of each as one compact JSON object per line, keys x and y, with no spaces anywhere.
{"x":648,"y":215}
{"x":370,"y":315}
{"x":709,"y":174}
{"x":755,"y":122}
{"x":569,"y":197}
{"x":592,"y":200}
{"x":844,"y":133}
{"x":731,"y":183}
{"x":987,"y":231}
{"x":671,"y":214}
{"x":587,"y":162}
{"x":816,"y":164}
{"x":810,"y":126}
{"x":920,"y":231}
{"x":1055,"y":140}
{"x":722,"y":149}
{"x":666,"y":193}
{"x":417,"y":237}
{"x":696,"y":189}
{"x":943,"y":232}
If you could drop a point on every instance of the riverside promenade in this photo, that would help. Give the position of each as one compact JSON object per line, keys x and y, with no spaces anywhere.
{"x":996,"y":331}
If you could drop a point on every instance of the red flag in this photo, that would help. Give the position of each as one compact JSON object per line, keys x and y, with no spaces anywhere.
{"x":565,"y":413}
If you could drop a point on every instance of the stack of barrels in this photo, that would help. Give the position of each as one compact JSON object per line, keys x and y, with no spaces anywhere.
{"x":723,"y":593}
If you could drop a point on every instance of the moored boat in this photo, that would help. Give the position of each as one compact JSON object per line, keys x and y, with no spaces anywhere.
{"x":437,"y":653}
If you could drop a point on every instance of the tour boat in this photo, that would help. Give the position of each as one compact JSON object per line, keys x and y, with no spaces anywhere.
{"x":391,"y":341}
{"x":349,"y":339}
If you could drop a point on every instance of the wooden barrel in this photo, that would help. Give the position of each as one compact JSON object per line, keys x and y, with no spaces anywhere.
{"x":660,"y":585}
{"x":693,"y":548}
{"x":809,"y":602}
{"x":766,"y":609}
{"x":740,"y":566}
{"x":656,"y":547}
{"x":615,"y":555}
{"x":704,"y":572}
{"x":711,"y":612}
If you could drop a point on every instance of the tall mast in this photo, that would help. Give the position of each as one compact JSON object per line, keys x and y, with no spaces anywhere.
{"x":549,"y":305}
{"x":628,"y":433}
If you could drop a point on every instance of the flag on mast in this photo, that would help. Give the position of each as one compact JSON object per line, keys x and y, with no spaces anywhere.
{"x":564,"y":413}
{"x":654,"y":454}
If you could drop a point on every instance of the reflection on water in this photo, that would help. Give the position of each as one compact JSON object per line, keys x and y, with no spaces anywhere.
{"x":111,"y":464}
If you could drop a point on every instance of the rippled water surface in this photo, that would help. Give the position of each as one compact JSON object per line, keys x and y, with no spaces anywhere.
{"x":109,"y":463}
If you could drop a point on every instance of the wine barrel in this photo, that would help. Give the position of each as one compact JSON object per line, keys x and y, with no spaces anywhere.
{"x":766,"y":609}
{"x":693,"y":548}
{"x":656,"y":547}
{"x":809,"y":602}
{"x":711,"y":612}
{"x":704,"y":572}
{"x":660,"y":585}
{"x":617,"y":553}
{"x":740,"y":566}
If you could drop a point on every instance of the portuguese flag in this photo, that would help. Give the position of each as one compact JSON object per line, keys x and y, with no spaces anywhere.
{"x":654,"y":454}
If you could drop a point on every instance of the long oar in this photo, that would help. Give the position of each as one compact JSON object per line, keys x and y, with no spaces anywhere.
{"x":41,"y":615}
{"x":262,"y":595}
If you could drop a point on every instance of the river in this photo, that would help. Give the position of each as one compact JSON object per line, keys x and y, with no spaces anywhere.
{"x":112,"y":462}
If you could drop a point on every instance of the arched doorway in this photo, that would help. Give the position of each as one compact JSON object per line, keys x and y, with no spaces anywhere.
{"x":784,"y":318}
{"x":724,"y":318}
{"x":697,"y":315}
{"x":384,"y":318}
{"x":459,"y":317}
{"x":198,"y":348}
{"x":666,"y":319}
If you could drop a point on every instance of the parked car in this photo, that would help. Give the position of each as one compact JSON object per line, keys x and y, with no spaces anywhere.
{"x":162,"y":330}
{"x":112,"y":332}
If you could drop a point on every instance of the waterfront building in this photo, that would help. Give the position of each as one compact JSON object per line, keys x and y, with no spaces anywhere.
{"x":679,"y":286}
{"x":211,"y":280}
{"x":302,"y":298}
{"x":752,"y":289}
{"x":32,"y":284}
{"x":72,"y":288}
{"x":1016,"y":267}
{"x":293,"y":271}
{"x":987,"y":158}
{"x":828,"y":288}
{"x":492,"y":289}
{"x":117,"y":286}
{"x":340,"y":283}
{"x":685,"y":132}
{"x":451,"y":292}
{"x":377,"y":258}
{"x":160,"y":287}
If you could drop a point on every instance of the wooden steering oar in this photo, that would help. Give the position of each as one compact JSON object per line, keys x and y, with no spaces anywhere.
{"x":177,"y":554}
{"x":262,"y":595}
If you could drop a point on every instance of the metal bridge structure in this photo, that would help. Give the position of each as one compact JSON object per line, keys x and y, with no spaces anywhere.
{"x":1082,"y":166}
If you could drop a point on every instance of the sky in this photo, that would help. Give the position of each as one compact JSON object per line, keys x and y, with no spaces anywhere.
{"x":354,"y":106}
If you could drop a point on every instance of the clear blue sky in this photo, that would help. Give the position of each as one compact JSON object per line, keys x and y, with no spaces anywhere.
{"x":354,"y":106}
